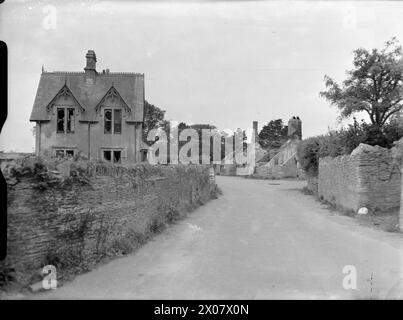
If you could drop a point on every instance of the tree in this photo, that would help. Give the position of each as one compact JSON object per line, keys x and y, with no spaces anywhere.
{"x":274,"y":134}
{"x":153,"y":119}
{"x":374,"y":85}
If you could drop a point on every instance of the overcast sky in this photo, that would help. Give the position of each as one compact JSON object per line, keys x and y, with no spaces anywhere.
{"x":216,"y":62}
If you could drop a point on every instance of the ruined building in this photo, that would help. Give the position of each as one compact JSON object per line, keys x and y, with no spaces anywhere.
{"x":96,"y":114}
{"x":285,"y":163}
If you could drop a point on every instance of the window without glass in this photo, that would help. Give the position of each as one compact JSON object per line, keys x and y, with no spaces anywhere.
{"x":144,"y":155}
{"x":70,"y":120}
{"x":60,"y":120}
{"x":108,"y":121}
{"x":117,"y":121}
{"x":116,"y":156}
{"x":114,"y":118}
{"x":65,"y":120}
{"x":107,"y":155}
{"x":60,"y":153}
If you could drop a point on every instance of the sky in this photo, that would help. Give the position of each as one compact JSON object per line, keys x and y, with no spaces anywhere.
{"x":225,"y":63}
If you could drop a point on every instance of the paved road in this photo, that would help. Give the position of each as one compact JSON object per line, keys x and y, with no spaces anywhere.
{"x":260,"y":240}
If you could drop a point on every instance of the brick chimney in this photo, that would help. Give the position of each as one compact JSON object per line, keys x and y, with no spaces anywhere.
{"x":295,"y":128}
{"x":91,"y":62}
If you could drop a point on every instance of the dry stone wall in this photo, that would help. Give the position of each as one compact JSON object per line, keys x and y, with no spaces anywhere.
{"x":369,"y":177}
{"x":77,"y":222}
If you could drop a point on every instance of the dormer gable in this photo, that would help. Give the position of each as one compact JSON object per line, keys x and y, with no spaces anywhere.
{"x":62,"y":97}
{"x":112,"y":99}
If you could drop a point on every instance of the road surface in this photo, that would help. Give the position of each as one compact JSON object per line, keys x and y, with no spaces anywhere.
{"x":262,"y":239}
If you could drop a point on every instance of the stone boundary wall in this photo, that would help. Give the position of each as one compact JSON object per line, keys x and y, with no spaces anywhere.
{"x":77,"y":221}
{"x":369,"y":177}
{"x":312,"y":184}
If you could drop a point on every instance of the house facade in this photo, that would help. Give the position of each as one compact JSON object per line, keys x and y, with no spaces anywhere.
{"x":96,"y":114}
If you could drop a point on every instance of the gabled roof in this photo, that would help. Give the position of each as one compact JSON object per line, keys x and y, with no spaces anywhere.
{"x":64,"y":91}
{"x":130,"y":87}
{"x":113,"y":94}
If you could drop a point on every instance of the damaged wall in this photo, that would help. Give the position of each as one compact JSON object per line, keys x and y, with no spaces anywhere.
{"x":368,"y":177}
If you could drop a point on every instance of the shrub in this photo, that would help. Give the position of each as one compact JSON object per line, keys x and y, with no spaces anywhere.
{"x":344,"y":141}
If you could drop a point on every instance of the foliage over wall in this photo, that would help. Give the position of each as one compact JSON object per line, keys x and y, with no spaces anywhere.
{"x":75,"y":213}
{"x":344,"y":141}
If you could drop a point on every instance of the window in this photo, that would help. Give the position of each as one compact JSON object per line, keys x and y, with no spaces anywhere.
{"x":61,"y":153}
{"x":115,"y":118}
{"x":116,"y":156}
{"x":60,"y":120}
{"x":143,"y":155}
{"x":113,"y":156}
{"x":69,"y":153}
{"x":117,"y":121}
{"x":107,"y":155}
{"x":108,"y":121}
{"x":65,"y":120}
{"x":70,"y":120}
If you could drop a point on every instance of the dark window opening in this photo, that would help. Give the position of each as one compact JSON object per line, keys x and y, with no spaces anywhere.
{"x":143,"y":155}
{"x":116,"y":156}
{"x":70,"y":120}
{"x":60,"y":153}
{"x":108,"y":121}
{"x":60,"y":120}
{"x":117,"y":121}
{"x":107,"y":155}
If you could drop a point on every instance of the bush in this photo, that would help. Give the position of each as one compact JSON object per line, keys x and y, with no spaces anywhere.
{"x":344,"y":141}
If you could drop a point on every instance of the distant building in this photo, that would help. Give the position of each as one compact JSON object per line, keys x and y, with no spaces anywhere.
{"x":285,"y":163}
{"x":96,"y":114}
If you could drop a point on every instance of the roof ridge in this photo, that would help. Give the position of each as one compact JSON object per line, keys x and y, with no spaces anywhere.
{"x":122,"y":73}
{"x":99,"y":73}
{"x":64,"y":72}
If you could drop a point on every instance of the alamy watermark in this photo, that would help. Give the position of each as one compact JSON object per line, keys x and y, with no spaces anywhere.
{"x":206,"y":146}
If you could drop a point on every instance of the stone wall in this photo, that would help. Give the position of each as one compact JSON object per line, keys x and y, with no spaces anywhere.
{"x":312,"y":184}
{"x":77,"y":221}
{"x":284,"y":164}
{"x":369,"y":177}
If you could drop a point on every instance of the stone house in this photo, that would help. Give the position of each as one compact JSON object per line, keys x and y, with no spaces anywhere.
{"x":96,"y":114}
{"x":285,"y":163}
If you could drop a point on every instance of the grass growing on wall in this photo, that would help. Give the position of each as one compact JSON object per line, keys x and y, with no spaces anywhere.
{"x":80,"y":239}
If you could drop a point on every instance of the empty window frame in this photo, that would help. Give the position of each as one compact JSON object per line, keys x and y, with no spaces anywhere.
{"x":107,"y":155}
{"x":60,"y":120}
{"x":69,"y":153}
{"x":61,"y":153}
{"x":117,"y":121}
{"x":65,"y":120}
{"x":113,"y":121}
{"x":70,"y":120}
{"x":108,"y":121}
{"x":114,"y":156}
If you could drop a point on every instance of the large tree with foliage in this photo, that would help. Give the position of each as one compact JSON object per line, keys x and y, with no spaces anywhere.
{"x":374,"y":85}
{"x":273,"y":134}
{"x":153,"y":119}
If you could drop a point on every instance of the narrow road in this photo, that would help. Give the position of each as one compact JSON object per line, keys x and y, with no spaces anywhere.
{"x":262,"y":239}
